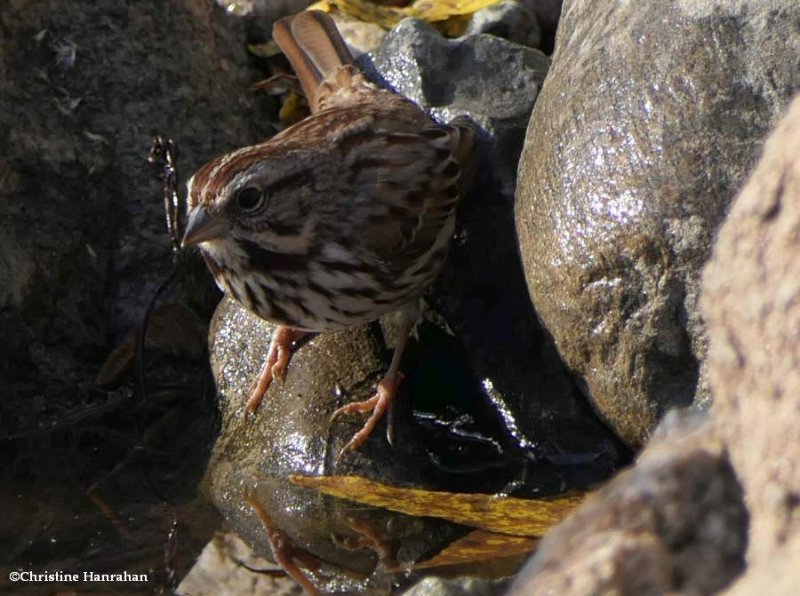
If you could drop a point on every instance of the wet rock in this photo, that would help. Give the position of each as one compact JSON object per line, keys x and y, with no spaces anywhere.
{"x":331,"y":369}
{"x":675,"y":523}
{"x":645,"y":128}
{"x":510,"y":20}
{"x":481,"y":292}
{"x":727,"y":518}
{"x":751,"y":300}
{"x":292,"y":433}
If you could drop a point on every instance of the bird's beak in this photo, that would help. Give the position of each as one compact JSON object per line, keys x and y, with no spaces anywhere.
{"x":202,"y":226}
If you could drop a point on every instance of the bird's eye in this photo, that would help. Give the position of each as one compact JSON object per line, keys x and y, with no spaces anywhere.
{"x":249,"y":198}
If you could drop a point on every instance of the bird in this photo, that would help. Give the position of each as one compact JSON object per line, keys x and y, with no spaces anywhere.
{"x":338,"y":219}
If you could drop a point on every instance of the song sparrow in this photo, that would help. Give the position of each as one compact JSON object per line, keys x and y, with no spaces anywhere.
{"x":338,"y":219}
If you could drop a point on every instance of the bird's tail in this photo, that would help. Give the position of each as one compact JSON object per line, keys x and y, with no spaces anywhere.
{"x":314,"y":48}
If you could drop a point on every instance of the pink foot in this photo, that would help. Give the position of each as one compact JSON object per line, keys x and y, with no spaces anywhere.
{"x":377,"y":404}
{"x":280,"y":351}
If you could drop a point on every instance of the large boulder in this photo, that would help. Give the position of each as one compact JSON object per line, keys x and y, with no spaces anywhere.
{"x":712,"y":504}
{"x":646,"y":126}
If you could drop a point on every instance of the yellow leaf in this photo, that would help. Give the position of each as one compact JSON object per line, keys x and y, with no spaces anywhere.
{"x":506,"y":515}
{"x":480,"y":546}
{"x":432,"y":11}
{"x":264,"y":50}
{"x":294,"y":109}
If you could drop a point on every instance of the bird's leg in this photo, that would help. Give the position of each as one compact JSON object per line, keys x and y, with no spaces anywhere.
{"x":280,"y":351}
{"x":293,"y":559}
{"x":386,"y":391}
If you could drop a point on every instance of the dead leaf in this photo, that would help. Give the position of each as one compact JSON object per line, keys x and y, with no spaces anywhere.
{"x":267,"y":49}
{"x":439,"y":11}
{"x":505,"y":515}
{"x":480,"y":546}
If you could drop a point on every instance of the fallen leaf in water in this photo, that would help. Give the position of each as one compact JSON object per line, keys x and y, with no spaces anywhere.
{"x":505,"y":515}
{"x":480,"y":546}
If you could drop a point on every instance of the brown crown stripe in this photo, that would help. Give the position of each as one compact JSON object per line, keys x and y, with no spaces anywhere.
{"x":215,"y":175}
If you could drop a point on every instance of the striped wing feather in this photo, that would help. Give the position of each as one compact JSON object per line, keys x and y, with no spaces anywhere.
{"x":405,"y":188}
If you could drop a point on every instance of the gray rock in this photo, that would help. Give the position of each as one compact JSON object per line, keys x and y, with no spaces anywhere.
{"x":291,"y":432}
{"x":674,"y":523}
{"x":436,"y":586}
{"x":710,"y":506}
{"x":751,"y":300}
{"x":647,"y":123}
{"x":510,"y":20}
{"x":492,"y":81}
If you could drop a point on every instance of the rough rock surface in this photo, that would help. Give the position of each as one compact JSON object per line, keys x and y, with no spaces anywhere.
{"x":83,"y":87}
{"x":751,"y":300}
{"x":675,"y":523}
{"x":732,"y":505}
{"x":646,"y":126}
{"x":83,"y":244}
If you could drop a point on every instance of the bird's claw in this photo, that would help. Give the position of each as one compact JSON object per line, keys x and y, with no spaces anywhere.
{"x":377,"y":404}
